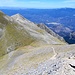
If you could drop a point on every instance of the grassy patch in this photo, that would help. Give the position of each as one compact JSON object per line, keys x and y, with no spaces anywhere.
{"x":2,"y":19}
{"x":40,"y":31}
{"x":14,"y":38}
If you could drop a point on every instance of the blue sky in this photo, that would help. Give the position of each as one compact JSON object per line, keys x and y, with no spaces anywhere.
{"x":38,"y":3}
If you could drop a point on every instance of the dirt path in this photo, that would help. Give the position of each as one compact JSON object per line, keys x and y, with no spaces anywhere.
{"x":54,"y":56}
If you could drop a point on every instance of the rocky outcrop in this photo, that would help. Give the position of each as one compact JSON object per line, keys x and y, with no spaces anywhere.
{"x":42,"y":26}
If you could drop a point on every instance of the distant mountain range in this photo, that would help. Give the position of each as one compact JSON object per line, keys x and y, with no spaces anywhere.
{"x":61,"y":21}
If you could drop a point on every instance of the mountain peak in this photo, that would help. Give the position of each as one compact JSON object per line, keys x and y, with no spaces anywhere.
{"x":17,"y":16}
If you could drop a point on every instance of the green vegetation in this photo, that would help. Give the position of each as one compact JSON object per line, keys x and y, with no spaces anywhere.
{"x":18,"y":37}
{"x":40,"y":31}
{"x":2,"y":19}
{"x":14,"y":38}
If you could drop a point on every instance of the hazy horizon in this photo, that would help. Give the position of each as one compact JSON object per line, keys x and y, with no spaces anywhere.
{"x":34,"y":8}
{"x":38,"y":4}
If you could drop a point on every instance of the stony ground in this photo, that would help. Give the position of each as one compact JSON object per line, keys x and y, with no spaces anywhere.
{"x":25,"y":49}
{"x":43,"y":60}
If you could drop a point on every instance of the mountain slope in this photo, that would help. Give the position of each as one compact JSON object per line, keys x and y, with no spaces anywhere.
{"x":32,"y":27}
{"x":42,"y":26}
{"x":63,"y":17}
{"x":26,"y":49}
{"x":47,"y":59}
{"x":17,"y":32}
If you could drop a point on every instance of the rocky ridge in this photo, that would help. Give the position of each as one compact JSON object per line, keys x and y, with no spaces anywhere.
{"x":42,"y":26}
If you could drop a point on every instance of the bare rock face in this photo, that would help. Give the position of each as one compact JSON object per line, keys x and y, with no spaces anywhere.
{"x":42,"y":26}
